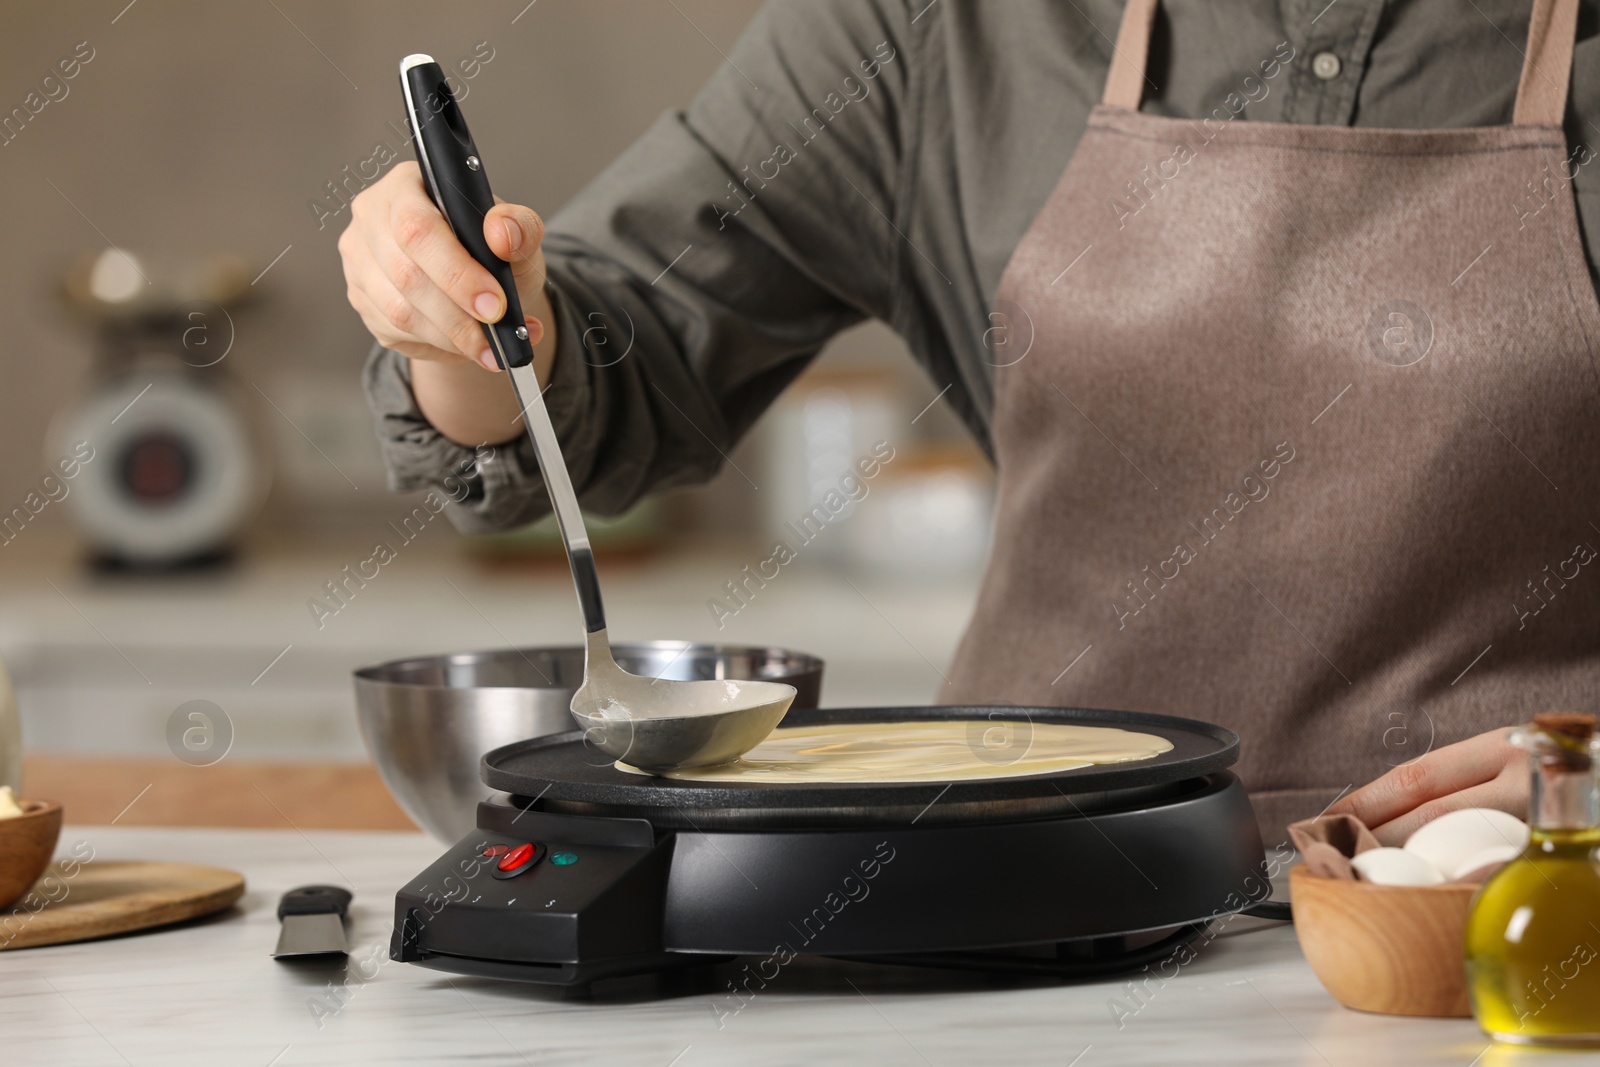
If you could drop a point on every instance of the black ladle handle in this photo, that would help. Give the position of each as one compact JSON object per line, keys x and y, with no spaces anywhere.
{"x":458,"y":184}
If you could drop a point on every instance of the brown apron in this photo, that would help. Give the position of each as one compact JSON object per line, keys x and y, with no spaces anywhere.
{"x":1299,"y":434}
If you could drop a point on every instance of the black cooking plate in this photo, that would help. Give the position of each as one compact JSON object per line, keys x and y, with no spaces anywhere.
{"x":561,"y":768}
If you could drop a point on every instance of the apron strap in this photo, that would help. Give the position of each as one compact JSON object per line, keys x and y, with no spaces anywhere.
{"x":1541,"y":93}
{"x":1125,"y":80}
{"x":1547,"y":64}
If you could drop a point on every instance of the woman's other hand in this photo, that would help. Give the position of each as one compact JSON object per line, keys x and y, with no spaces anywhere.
{"x":1485,"y":771}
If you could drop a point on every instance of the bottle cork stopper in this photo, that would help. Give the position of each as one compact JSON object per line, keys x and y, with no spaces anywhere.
{"x":1576,"y":725}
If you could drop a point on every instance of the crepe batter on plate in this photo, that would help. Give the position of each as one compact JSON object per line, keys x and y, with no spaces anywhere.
{"x":925,"y":752}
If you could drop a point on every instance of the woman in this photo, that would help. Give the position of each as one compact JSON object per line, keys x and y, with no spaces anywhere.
{"x":1284,"y":349}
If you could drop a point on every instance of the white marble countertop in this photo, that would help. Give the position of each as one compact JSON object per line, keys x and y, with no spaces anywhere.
{"x":208,"y":993}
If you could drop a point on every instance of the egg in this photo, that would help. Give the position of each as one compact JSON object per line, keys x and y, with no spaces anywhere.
{"x":1395,"y":866}
{"x":1484,"y":863}
{"x":1450,"y":841}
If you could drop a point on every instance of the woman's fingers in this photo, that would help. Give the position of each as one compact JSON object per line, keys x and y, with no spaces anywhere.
{"x":420,"y":285}
{"x":422,"y":236}
{"x":416,"y":339}
{"x":1445,"y":772}
{"x":428,"y":313}
{"x":514,"y":234}
{"x":1504,"y":793}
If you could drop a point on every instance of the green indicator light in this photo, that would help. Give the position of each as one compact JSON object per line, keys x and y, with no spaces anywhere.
{"x":563,"y":859}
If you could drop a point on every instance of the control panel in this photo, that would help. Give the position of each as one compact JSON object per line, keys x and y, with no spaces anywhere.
{"x":549,"y":897}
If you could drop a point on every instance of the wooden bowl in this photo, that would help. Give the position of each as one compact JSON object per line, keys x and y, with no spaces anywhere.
{"x":1390,"y":949}
{"x":27,"y":842}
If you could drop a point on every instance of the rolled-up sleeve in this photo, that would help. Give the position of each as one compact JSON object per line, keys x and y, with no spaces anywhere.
{"x":697,"y":276}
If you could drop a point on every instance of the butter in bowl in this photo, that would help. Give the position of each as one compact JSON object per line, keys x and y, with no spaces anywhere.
{"x":1383,"y":928}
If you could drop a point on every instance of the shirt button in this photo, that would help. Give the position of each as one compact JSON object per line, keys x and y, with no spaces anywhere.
{"x":1326,"y":66}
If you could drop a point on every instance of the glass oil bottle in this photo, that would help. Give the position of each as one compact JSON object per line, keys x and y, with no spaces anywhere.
{"x":1533,"y":935}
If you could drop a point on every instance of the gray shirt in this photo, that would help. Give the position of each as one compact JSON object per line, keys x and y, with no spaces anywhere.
{"x":879,"y":158}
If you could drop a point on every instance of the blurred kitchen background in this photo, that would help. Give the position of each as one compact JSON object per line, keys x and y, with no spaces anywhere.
{"x":181,"y":562}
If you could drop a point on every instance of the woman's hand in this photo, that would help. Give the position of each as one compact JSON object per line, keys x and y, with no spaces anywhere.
{"x":1485,"y":771}
{"x":419,"y":292}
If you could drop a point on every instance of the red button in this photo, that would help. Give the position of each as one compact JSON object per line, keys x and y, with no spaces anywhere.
{"x":516,"y":857}
{"x":491,"y":851}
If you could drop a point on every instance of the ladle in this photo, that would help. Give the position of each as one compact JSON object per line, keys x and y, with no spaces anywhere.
{"x":653,"y":724}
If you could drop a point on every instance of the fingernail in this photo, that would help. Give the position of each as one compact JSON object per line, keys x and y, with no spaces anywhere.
{"x":513,"y":234}
{"x":487,"y":305}
{"x":535,"y":330}
{"x":486,"y":360}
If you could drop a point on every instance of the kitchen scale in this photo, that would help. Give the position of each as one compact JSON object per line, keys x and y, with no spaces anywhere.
{"x":581,"y":871}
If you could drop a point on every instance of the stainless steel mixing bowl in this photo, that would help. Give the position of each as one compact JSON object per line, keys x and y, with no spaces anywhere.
{"x":427,"y":722}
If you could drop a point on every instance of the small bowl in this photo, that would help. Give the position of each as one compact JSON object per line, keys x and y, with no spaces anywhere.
{"x":1389,"y":949}
{"x":27,"y":842}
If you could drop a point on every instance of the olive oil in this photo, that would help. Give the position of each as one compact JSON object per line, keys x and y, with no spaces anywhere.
{"x":1534,"y":957}
{"x":1533,"y":936}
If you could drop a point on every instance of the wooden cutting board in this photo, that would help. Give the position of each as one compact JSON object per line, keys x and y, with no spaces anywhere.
{"x":104,"y":897}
